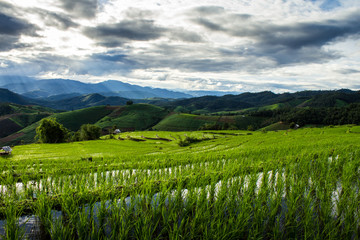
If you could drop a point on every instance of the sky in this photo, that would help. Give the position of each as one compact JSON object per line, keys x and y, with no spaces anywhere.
{"x":222,"y":45}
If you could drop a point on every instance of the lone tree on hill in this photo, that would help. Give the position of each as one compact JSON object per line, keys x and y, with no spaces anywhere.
{"x":89,"y":132}
{"x":50,"y":131}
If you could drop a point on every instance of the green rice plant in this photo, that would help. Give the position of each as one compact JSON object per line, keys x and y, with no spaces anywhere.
{"x":58,"y":230}
{"x":302,"y":185}
{"x":13,"y":230}
{"x":42,"y":209}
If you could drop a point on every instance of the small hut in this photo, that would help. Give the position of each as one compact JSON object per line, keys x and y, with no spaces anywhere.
{"x":6,"y":150}
{"x":116,"y":131}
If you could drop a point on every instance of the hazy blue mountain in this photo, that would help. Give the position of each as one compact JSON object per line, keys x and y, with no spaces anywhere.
{"x":7,"y":96}
{"x":50,"y":87}
{"x":62,"y":97}
{"x":210,"y":93}
{"x":9,"y":79}
{"x":83,"y":101}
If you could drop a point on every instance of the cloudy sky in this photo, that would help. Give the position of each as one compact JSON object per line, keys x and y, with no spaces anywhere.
{"x":227,"y":45}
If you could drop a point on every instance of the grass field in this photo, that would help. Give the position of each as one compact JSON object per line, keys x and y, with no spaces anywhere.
{"x":294,"y":184}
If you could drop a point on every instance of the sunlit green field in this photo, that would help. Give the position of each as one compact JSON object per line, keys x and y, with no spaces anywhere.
{"x":296,"y":184}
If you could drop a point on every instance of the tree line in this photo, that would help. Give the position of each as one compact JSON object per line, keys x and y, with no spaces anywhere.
{"x":323,"y":116}
{"x":50,"y":131}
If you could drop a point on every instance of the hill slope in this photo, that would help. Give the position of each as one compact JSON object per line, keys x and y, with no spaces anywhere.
{"x":135,"y":117}
{"x":83,"y":101}
{"x":15,"y":117}
{"x":191,"y":122}
{"x":253,"y":101}
{"x":7,"y":96}
{"x":132,"y":117}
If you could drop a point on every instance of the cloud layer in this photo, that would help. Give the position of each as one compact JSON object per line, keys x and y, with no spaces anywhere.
{"x":203,"y":45}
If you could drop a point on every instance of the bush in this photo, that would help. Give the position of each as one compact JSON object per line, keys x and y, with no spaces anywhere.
{"x":89,"y":132}
{"x":250,"y":128}
{"x":211,"y":126}
{"x":75,"y":137}
{"x":50,"y":131}
{"x":188,"y":140}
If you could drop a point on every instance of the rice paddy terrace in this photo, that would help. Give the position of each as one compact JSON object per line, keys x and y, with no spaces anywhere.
{"x":295,"y":184}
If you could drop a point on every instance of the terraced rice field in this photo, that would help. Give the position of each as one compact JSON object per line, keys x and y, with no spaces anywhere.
{"x":301,"y":184}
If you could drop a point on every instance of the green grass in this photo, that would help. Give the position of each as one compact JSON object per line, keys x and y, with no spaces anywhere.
{"x":295,"y":184}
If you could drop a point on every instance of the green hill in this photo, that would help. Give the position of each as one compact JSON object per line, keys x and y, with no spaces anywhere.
{"x":133,"y":117}
{"x":191,"y":122}
{"x":7,"y":96}
{"x":185,"y":122}
{"x":136,"y":117}
{"x":73,"y":120}
{"x":84,"y":101}
{"x":14,"y":117}
{"x":265,"y":101}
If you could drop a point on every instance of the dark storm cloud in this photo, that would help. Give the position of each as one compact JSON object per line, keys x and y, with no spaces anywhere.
{"x":285,"y":56}
{"x":348,"y":71}
{"x":311,"y":34}
{"x":14,"y":26}
{"x":59,"y":64}
{"x":208,"y":10}
{"x":294,"y":36}
{"x":142,"y":30}
{"x":285,"y":44}
{"x":58,"y":20}
{"x":137,"y":25}
{"x":210,"y":25}
{"x":115,"y":56}
{"x":112,"y":35}
{"x":81,"y":8}
{"x":11,"y":29}
{"x":8,"y":42}
{"x":184,"y":35}
{"x":184,"y":58}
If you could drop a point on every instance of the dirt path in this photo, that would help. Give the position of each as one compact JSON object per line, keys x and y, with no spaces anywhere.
{"x":9,"y":116}
{"x":11,"y":137}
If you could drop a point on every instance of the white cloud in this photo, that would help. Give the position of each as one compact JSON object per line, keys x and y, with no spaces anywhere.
{"x":204,"y":45}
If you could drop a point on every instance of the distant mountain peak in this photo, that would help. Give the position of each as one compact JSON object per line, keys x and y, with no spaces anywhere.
{"x":52,"y":87}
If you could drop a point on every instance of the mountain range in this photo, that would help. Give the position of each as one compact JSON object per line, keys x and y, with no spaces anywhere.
{"x":33,"y":88}
{"x":265,"y":100}
{"x":19,"y":115}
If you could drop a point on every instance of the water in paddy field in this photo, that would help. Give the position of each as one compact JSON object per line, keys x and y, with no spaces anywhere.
{"x":30,"y":224}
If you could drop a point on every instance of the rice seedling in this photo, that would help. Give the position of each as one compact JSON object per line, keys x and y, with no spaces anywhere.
{"x":302,"y":185}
